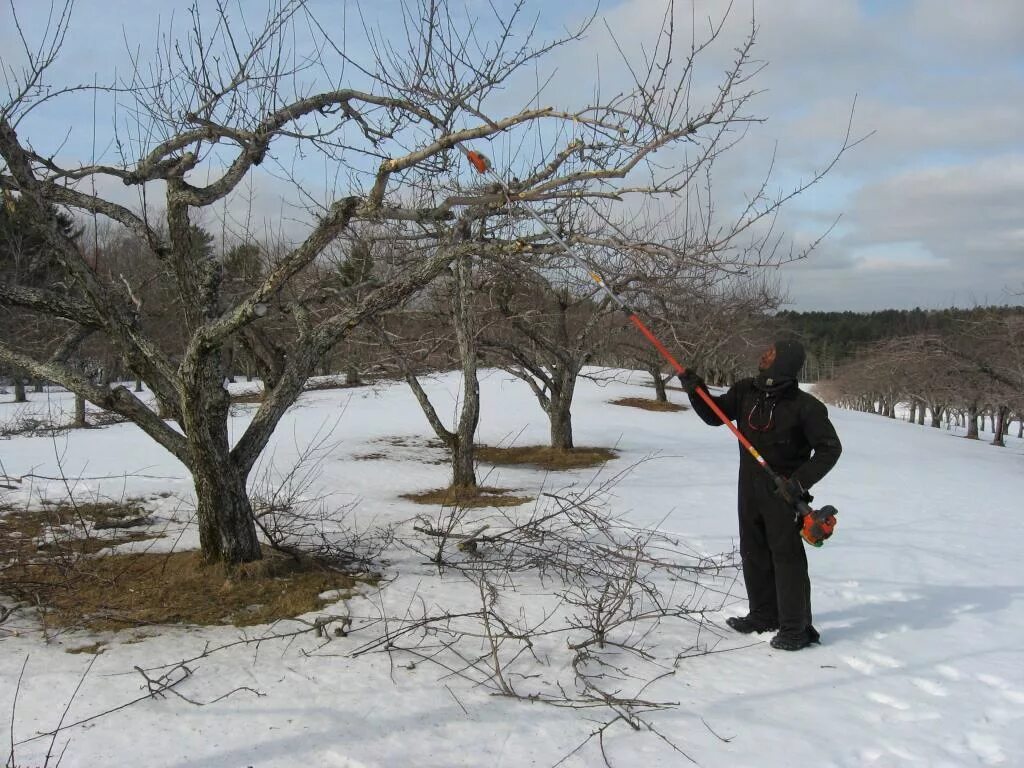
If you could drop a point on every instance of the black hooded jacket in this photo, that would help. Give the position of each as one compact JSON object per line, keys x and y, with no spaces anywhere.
{"x":789,"y":427}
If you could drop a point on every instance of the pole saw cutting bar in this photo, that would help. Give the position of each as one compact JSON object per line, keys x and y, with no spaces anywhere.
{"x":817,"y":525}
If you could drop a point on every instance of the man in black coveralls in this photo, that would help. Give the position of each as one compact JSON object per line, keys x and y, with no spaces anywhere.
{"x":791,"y":430}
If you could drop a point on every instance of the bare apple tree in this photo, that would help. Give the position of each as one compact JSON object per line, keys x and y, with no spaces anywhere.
{"x":215,"y":105}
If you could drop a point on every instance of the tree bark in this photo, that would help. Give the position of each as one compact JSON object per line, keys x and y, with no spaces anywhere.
{"x":561,"y":428}
{"x":138,"y":385}
{"x":463,"y":458}
{"x":19,"y":388}
{"x":79,"y":421}
{"x":997,"y":430}
{"x":227,"y":530}
{"x":972,"y":422}
{"x":659,"y":384}
{"x":166,"y":410}
{"x":913,"y":412}
{"x":38,"y":386}
{"x":559,"y":409}
{"x":352,"y":378}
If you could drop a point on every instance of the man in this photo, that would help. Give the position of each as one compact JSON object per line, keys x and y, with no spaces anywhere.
{"x":792,"y":431}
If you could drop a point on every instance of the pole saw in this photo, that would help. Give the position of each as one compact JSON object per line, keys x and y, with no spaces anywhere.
{"x":816,"y":524}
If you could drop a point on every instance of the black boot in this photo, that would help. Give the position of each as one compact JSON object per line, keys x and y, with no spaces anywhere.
{"x":747,"y":624}
{"x":794,"y":641}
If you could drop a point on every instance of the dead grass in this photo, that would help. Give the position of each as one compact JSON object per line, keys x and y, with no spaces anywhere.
{"x":374,"y":456}
{"x":101,"y":513}
{"x":468,"y":497}
{"x":423,"y":450}
{"x":412,"y":442}
{"x":94,"y":648}
{"x":119,"y":591}
{"x":57,"y":530}
{"x":648,"y":404}
{"x":545,"y":457}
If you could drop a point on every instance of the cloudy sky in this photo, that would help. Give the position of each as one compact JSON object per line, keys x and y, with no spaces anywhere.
{"x":930,"y":206}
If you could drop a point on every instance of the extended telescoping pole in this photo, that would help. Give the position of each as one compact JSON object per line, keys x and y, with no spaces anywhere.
{"x":483,"y":167}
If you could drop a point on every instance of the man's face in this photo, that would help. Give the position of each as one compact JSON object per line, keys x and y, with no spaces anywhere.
{"x":767,"y":358}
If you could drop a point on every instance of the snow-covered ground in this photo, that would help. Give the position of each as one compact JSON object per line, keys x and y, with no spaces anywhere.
{"x":919,"y":598}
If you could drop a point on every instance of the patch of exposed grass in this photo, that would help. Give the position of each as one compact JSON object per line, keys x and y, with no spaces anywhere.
{"x":90,"y":545}
{"x":95,"y":648}
{"x":30,"y":539}
{"x":105,"y":514}
{"x":545,"y":457}
{"x":375,"y":456}
{"x":412,"y":442}
{"x":468,"y":497}
{"x":118,"y":591}
{"x":424,"y":450}
{"x":17,"y":525}
{"x":648,"y":404}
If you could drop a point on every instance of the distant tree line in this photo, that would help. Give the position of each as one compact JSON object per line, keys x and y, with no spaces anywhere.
{"x":832,"y":338}
{"x":970,"y":371}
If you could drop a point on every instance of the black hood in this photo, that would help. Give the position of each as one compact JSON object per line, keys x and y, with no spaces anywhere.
{"x":789,"y":359}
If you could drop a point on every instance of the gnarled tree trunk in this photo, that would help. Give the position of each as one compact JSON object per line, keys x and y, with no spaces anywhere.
{"x":227,"y":530}
{"x":79,"y":421}
{"x":972,"y":422}
{"x":463,"y":453}
{"x":559,"y":408}
{"x":659,"y":384}
{"x":352,"y":378}
{"x":1000,"y":424}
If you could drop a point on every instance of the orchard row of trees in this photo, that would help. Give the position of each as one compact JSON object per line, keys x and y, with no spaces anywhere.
{"x":410,"y":257}
{"x":832,"y":338}
{"x":972,"y":370}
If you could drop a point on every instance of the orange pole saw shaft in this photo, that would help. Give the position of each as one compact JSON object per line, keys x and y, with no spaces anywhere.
{"x":701,"y":392}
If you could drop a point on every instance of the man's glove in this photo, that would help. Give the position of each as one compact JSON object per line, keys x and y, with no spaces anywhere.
{"x":791,"y":491}
{"x":689,"y":380}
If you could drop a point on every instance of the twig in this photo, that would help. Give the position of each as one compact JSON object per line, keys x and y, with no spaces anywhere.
{"x":14,"y":710}
{"x":64,"y":714}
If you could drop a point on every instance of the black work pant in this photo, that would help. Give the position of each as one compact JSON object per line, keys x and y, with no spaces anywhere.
{"x":774,"y":560}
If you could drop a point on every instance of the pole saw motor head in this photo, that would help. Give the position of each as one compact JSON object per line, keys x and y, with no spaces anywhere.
{"x":818,"y":525}
{"x":479,"y":161}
